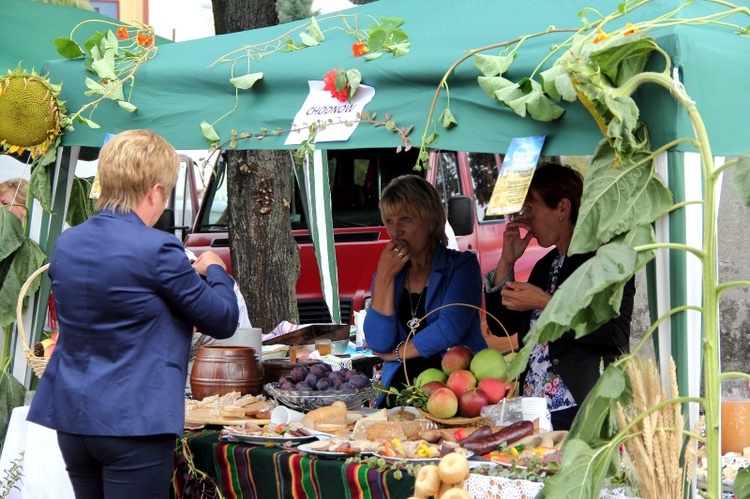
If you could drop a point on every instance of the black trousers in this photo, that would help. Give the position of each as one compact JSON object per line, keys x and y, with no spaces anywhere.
{"x":118,"y":467}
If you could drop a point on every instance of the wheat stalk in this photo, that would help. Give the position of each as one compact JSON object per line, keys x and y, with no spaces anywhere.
{"x":656,"y":441}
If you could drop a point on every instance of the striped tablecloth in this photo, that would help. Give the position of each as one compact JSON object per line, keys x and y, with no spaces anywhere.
{"x":248,"y":471}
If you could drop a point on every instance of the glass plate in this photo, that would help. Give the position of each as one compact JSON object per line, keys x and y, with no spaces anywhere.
{"x":307,"y":401}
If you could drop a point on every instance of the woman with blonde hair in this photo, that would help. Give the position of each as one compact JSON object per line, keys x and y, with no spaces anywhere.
{"x":417,"y":274}
{"x":127,"y":299}
{"x":13,"y":195}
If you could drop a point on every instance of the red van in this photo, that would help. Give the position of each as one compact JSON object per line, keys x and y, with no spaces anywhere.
{"x":357,"y":177}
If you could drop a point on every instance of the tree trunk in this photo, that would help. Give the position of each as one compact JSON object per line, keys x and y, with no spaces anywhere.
{"x":265,"y":257}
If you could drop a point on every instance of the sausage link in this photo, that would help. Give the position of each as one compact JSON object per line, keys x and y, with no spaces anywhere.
{"x":508,"y":435}
{"x":481,"y":432}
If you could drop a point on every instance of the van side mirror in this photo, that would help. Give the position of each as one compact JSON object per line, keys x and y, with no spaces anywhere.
{"x":461,"y":215}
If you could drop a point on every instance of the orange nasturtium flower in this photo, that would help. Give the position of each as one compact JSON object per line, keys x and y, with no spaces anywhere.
{"x":330,"y":84}
{"x":359,"y":48}
{"x":601,"y":36}
{"x":630,"y":29}
{"x":122,"y":33}
{"x":145,"y":40}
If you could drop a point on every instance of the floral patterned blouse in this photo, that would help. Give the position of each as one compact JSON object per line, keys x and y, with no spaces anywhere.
{"x":541,"y":378}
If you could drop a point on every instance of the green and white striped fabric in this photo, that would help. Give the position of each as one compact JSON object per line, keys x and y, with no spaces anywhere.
{"x":312,"y":177}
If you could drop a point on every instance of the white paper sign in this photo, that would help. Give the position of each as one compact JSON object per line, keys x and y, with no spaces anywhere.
{"x":339,"y":119}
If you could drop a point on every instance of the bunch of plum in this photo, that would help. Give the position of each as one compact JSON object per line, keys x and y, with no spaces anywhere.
{"x":320,"y":377}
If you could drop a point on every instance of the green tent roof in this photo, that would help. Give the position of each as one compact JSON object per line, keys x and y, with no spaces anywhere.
{"x":180,"y":87}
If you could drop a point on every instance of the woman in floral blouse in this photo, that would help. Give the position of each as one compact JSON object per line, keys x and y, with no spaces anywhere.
{"x":565,"y":370}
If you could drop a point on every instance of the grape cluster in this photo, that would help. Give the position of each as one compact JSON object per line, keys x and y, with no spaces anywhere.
{"x":320,"y":377}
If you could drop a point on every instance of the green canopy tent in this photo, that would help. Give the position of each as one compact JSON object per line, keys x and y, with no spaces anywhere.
{"x":188,"y":83}
{"x":27,"y":32}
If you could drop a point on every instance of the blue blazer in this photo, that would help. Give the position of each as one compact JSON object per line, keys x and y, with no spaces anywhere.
{"x":455,"y":278}
{"x":127,"y":300}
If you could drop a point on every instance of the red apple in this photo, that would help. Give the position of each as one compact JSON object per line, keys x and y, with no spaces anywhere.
{"x":457,"y":358}
{"x":461,"y":381}
{"x":470,"y":403}
{"x":49,"y":346}
{"x":443,"y":403}
{"x":432,"y":386}
{"x":494,"y":388}
{"x":54,"y":336}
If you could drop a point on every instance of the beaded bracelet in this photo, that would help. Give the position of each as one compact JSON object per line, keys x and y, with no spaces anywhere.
{"x":398,"y":357}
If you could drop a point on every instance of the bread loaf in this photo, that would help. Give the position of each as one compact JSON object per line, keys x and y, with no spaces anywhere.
{"x":331,"y":414}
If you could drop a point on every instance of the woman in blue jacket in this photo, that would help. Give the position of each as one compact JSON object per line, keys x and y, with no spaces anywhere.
{"x":127,"y":300}
{"x":417,"y":274}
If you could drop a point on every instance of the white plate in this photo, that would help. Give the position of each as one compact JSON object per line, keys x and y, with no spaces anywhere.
{"x":327,"y":453}
{"x":263,"y":440}
{"x":420,"y":460}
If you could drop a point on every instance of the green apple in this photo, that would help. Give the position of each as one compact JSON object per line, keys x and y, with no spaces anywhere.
{"x":488,"y":363}
{"x":430,"y":374}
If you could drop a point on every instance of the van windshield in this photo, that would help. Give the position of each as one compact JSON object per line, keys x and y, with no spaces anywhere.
{"x":356,"y":178}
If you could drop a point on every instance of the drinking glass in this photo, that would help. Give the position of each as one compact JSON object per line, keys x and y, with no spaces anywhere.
{"x":323,"y":346}
{"x":735,"y":415}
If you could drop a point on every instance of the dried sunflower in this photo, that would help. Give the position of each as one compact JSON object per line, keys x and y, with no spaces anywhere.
{"x":32,"y":115}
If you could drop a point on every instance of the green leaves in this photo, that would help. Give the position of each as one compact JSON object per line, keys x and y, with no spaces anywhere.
{"x":741,"y":178}
{"x":207,"y":129}
{"x":618,"y":195}
{"x":493,"y":65}
{"x":584,"y":471}
{"x":624,"y":58}
{"x":246,"y":81}
{"x":742,"y":484}
{"x":387,"y":37}
{"x":523,"y":97}
{"x":80,"y":206}
{"x":68,"y":48}
{"x":590,"y":297}
{"x":14,"y":270}
{"x":11,"y":396}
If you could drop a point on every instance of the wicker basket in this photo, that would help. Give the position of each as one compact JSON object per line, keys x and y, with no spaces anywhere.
{"x":37,"y":363}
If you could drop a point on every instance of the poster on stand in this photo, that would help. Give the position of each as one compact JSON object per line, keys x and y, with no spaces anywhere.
{"x":515,"y":175}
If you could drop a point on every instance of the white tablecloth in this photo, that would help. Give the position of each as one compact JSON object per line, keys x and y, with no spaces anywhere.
{"x":43,"y":468}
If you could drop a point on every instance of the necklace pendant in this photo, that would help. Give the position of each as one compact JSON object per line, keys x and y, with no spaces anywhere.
{"x":413,"y":323}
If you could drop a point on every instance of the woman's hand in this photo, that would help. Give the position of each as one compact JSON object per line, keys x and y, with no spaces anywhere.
{"x":523,"y":296}
{"x":514,"y":245}
{"x":206,"y":259}
{"x":393,"y":258}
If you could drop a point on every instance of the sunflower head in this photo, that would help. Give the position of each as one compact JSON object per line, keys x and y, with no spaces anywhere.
{"x":31,"y":112}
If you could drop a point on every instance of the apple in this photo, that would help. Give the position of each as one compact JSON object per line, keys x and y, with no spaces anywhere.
{"x":443,"y":403}
{"x":494,"y":388}
{"x":470,"y":403}
{"x":430,"y":374}
{"x":456,"y":358}
{"x":461,"y":381}
{"x":488,"y":363}
{"x":54,"y":336}
{"x":49,"y":346}
{"x":432,"y":386}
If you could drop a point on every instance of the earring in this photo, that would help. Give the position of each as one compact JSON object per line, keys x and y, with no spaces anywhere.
{"x":562,"y":219}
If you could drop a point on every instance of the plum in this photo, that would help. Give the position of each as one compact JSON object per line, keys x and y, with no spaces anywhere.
{"x":323,"y":384}
{"x":327,"y":367}
{"x":318,"y":370}
{"x":337,"y":384}
{"x":358,"y":381}
{"x":303,"y":387}
{"x":287,"y":385}
{"x":335,"y":375}
{"x":348,"y":375}
{"x":298,"y":373}
{"x":311,"y":379}
{"x":347,"y":386}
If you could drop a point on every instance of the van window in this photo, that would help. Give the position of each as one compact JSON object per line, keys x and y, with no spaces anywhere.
{"x":356,"y":177}
{"x":447,"y":176}
{"x":484,"y":170}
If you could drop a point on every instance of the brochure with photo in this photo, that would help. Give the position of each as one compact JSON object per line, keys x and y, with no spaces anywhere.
{"x":515,"y":175}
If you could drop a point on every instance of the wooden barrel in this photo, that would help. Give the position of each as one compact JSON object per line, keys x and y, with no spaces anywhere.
{"x":218,"y":370}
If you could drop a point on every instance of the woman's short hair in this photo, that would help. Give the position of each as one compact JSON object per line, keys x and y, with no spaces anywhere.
{"x":413,"y":194}
{"x":17,"y":186}
{"x":553,"y":183}
{"x":130,"y":164}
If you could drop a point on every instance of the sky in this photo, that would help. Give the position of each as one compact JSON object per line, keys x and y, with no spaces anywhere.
{"x":190,"y":19}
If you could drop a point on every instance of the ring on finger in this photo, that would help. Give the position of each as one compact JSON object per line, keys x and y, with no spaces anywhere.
{"x":400,"y":254}
{"x":395,"y":248}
